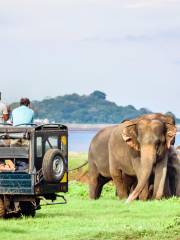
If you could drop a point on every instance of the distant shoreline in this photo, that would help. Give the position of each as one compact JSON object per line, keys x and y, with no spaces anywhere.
{"x":94,"y":127}
{"x":87,"y":127}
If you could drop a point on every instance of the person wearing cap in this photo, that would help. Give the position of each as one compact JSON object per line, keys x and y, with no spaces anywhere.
{"x":22,"y":114}
{"x":3,"y":112}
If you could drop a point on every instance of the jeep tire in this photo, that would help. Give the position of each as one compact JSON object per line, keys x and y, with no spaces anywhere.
{"x":53,"y":166}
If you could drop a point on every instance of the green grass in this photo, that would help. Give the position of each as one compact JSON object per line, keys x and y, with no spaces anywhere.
{"x":107,"y":218}
{"x":104,"y":219}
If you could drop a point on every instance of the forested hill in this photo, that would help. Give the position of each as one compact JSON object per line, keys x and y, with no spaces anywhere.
{"x":93,"y":108}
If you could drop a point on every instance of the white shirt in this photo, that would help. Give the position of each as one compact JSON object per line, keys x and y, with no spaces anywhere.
{"x":3,"y":110}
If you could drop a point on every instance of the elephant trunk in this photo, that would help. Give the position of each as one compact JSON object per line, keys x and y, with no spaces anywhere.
{"x":148,"y":158}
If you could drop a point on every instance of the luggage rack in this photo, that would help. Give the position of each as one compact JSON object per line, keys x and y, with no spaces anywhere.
{"x":51,"y":126}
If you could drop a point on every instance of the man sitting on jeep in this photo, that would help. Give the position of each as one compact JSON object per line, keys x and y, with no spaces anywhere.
{"x":3,"y":112}
{"x":22,"y":114}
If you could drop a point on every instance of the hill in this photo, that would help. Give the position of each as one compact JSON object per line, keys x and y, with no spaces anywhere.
{"x":93,"y":108}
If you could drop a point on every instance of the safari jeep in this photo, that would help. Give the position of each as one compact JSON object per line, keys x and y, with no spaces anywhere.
{"x":33,"y":166}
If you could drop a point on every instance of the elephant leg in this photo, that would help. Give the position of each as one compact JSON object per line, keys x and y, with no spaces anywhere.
{"x":176,"y":166}
{"x":167,"y":188}
{"x":93,"y":180}
{"x":101,"y":182}
{"x":151,"y":187}
{"x":96,"y":186}
{"x":129,"y":182}
{"x":174,"y":171}
{"x":92,"y":188}
{"x":96,"y":182}
{"x":160,"y":177}
{"x":145,"y":193}
{"x":178,"y":186}
{"x":118,"y":181}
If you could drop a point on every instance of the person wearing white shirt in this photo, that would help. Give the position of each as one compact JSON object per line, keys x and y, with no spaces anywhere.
{"x":3,"y":112}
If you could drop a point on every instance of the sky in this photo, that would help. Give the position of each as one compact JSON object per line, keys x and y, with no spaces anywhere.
{"x":129,"y":49}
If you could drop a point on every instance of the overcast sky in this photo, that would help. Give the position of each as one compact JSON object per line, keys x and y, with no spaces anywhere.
{"x":129,"y":49}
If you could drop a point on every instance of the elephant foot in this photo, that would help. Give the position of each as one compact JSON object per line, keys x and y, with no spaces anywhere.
{"x":121,"y":194}
{"x":122,"y":197}
{"x":143,"y":196}
{"x":96,"y":186}
{"x":150,"y":191}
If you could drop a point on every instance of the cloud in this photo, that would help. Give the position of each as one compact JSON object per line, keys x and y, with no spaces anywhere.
{"x":117,"y":38}
{"x":91,"y":44}
{"x":138,"y":38}
{"x":177,"y":62}
{"x":151,"y":3}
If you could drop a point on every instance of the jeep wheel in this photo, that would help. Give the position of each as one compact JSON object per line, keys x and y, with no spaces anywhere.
{"x":53,"y":166}
{"x":27,"y":209}
{"x":2,"y":208}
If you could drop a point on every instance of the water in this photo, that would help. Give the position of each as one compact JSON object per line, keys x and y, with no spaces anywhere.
{"x":79,"y":141}
{"x":177,"y":143}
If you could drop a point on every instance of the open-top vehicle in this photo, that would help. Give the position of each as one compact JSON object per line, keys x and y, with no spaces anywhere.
{"x":33,"y":166}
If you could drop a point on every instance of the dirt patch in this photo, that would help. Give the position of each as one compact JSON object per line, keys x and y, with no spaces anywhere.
{"x":79,"y":175}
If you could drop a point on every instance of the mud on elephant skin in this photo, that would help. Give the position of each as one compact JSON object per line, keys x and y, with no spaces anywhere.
{"x":134,"y":148}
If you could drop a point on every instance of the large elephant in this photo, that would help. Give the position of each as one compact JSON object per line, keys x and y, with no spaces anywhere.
{"x":136,"y":148}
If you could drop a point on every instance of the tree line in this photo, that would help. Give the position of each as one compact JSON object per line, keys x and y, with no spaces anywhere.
{"x":93,"y":108}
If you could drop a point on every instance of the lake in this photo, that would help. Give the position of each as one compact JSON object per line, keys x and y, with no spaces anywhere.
{"x":79,"y":141}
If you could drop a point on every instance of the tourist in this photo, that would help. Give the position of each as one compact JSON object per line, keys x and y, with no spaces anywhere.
{"x":22,"y":115}
{"x":3,"y":112}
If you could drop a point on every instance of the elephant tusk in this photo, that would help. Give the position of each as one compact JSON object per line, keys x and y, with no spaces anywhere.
{"x":127,"y":201}
{"x":130,"y":199}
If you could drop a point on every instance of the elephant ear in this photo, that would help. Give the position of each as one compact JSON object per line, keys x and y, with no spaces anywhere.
{"x":170,"y":119}
{"x":129,"y":135}
{"x":170,"y":134}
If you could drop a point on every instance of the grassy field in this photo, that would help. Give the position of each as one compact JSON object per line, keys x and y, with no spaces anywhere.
{"x":104,"y":219}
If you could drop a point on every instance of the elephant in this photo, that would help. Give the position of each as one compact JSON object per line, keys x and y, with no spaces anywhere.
{"x":172,"y":183}
{"x":173,"y":172}
{"x":136,"y":148}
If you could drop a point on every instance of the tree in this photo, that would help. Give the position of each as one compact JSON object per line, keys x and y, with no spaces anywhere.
{"x":98,"y":94}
